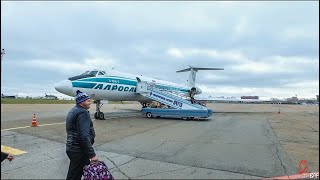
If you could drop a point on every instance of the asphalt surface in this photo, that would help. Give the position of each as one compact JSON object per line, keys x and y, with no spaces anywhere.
{"x":233,"y":144}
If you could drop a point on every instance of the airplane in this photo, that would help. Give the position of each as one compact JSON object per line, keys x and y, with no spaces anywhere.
{"x":113,"y":85}
{"x":8,"y":96}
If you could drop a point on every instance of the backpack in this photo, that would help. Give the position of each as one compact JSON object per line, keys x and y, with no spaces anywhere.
{"x":95,"y":171}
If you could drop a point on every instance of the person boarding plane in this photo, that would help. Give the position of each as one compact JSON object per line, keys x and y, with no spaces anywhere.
{"x":118,"y":86}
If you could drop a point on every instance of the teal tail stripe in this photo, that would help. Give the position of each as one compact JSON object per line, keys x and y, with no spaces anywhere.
{"x":83,"y":85}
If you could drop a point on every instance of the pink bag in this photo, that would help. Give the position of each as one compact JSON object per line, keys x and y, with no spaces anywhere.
{"x":97,"y":170}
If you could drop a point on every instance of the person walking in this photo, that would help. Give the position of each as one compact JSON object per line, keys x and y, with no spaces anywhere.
{"x":6,"y":156}
{"x":80,"y":137}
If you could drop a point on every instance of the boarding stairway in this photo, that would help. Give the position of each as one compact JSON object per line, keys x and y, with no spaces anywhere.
{"x":171,"y":100}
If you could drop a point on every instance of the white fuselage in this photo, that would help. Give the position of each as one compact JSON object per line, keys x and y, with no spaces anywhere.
{"x":115,"y":86}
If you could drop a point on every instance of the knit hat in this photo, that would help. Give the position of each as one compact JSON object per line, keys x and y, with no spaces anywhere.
{"x":80,"y":97}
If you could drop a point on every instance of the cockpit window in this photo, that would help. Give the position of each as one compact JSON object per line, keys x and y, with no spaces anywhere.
{"x":93,"y":73}
{"x":84,"y":75}
{"x":87,"y":74}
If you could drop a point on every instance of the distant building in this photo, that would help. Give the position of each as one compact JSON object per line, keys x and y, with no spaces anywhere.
{"x":249,"y":97}
{"x":276,"y":101}
{"x":49,"y":96}
{"x":292,"y":100}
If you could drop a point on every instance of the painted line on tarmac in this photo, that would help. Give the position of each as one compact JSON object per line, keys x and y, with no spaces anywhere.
{"x":13,"y":151}
{"x":14,"y":128}
{"x":30,"y":126}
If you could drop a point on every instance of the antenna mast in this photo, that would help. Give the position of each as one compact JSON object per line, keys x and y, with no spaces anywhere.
{"x":2,"y":53}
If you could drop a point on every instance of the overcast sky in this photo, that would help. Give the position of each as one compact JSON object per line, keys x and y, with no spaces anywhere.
{"x":268,"y":49}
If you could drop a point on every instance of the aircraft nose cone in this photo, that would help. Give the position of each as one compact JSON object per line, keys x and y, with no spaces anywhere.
{"x":64,"y":87}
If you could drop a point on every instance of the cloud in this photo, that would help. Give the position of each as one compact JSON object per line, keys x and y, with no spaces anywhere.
{"x":265,"y":47}
{"x":176,"y":53}
{"x":244,"y":28}
{"x":229,"y":55}
{"x":296,"y":33}
{"x":241,"y":62}
{"x":277,"y":64}
{"x":71,"y":66}
{"x":303,"y":84}
{"x":264,"y":93}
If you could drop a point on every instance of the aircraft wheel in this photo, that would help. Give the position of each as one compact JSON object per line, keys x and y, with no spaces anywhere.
{"x":101,"y":116}
{"x":149,"y":115}
{"x":96,"y":115}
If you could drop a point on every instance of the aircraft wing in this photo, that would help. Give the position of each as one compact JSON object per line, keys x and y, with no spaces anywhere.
{"x":218,"y":99}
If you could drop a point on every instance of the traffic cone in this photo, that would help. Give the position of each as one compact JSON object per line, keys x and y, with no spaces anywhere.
{"x":34,"y":121}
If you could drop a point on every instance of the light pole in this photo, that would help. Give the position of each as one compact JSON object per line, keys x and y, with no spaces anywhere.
{"x":2,"y":53}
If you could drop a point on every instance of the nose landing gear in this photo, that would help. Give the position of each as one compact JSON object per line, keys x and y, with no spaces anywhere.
{"x":98,"y":114}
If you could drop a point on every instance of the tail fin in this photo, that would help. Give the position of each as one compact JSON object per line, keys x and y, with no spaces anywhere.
{"x":193,"y":72}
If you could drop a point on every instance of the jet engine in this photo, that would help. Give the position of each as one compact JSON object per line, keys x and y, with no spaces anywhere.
{"x":194,"y":90}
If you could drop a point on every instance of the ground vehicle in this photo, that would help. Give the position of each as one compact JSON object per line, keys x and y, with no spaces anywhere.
{"x":176,"y":113}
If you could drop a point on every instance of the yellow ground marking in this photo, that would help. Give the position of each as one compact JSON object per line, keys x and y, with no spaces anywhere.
{"x":11,"y":150}
{"x":30,"y":126}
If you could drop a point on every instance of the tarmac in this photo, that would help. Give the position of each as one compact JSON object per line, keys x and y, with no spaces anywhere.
{"x":240,"y":141}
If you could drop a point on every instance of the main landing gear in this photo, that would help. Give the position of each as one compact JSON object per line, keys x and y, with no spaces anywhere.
{"x":98,"y":114}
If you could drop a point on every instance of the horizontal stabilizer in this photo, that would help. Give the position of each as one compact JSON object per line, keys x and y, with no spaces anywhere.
{"x":192,"y":76}
{"x":196,"y":69}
